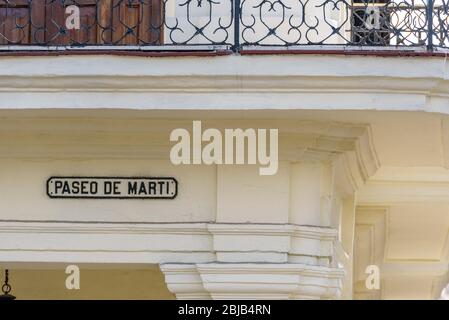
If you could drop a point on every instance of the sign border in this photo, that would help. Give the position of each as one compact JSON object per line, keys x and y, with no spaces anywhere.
{"x":111,"y":198}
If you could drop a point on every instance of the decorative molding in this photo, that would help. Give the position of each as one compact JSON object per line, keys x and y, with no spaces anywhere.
{"x":370,"y":246}
{"x":391,"y":185}
{"x":184,"y":281}
{"x":312,"y":232}
{"x":161,"y":242}
{"x":275,"y":243}
{"x":375,"y":240}
{"x":104,"y":228}
{"x":355,"y":166}
{"x":253,"y":281}
{"x":390,"y":192}
{"x":317,"y":233}
{"x":250,"y":229}
{"x":241,"y":82}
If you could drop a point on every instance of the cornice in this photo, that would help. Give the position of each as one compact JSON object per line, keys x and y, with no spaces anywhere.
{"x":253,"y":280}
{"x":279,"y":269}
{"x":202,"y":228}
{"x":250,"y":229}
{"x":104,"y":228}
{"x":165,"y":240}
{"x":390,"y":192}
{"x":324,"y":234}
{"x":310,"y":232}
{"x":242,"y":82}
{"x":406,"y":184}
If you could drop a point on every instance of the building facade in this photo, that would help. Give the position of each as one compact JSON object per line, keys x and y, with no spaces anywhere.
{"x":358,"y":206}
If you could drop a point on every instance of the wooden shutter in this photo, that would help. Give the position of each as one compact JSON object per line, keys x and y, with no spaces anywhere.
{"x":22,"y":22}
{"x":121,"y":22}
{"x":94,"y":23}
{"x":137,"y":22}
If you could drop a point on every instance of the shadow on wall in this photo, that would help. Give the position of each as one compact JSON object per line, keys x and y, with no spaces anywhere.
{"x":110,"y":284}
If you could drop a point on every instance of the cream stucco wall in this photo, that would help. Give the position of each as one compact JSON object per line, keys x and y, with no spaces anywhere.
{"x":231,"y":213}
{"x":363,"y":176}
{"x":196,"y":200}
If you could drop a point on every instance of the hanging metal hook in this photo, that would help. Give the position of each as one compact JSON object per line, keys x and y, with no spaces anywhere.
{"x":6,"y":288}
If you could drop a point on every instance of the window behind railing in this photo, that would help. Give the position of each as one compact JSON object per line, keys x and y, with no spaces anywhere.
{"x":232,"y":23}
{"x":397,"y":23}
{"x":101,"y":22}
{"x":370,"y":22}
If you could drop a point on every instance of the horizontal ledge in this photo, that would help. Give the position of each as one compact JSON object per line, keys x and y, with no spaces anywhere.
{"x":145,"y":243}
{"x":387,"y":192}
{"x":143,"y":53}
{"x":101,"y":227}
{"x":230,"y":66}
{"x":167,"y":47}
{"x":314,"y":232}
{"x":254,"y":268}
{"x":24,"y":257}
{"x":330,"y":47}
{"x":382,"y":51}
{"x":206,"y":228}
{"x":204,"y":50}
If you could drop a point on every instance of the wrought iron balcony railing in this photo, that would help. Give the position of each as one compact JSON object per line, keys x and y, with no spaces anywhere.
{"x":159,"y":24}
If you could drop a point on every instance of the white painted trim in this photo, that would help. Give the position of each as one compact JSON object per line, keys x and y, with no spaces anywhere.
{"x":104,"y":228}
{"x":53,"y":242}
{"x":318,"y":233}
{"x":229,"y":82}
{"x":390,"y":185}
{"x":253,"y":280}
{"x":312,"y":232}
{"x":249,"y":229}
{"x":390,"y":192}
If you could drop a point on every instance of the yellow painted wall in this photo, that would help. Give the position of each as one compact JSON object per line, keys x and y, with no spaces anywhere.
{"x":145,"y":284}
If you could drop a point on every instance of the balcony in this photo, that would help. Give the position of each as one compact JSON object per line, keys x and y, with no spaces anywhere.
{"x":181,"y":25}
